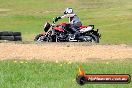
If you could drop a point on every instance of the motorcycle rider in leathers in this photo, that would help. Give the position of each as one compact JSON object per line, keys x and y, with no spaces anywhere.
{"x":74,"y":21}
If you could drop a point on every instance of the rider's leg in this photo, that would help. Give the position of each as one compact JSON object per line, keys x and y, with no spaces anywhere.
{"x":75,"y":31}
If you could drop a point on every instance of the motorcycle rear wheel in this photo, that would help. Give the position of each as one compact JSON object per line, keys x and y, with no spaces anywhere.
{"x":95,"y":39}
{"x":91,"y":38}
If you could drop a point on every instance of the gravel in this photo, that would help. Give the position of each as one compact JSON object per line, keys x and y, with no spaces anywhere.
{"x":64,"y":51}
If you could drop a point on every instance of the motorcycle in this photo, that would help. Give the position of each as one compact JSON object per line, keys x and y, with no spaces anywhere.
{"x":63,"y":33}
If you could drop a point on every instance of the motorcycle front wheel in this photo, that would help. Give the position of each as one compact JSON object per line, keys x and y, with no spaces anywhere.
{"x":42,"y":38}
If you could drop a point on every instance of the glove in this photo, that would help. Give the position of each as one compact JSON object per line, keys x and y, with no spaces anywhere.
{"x":57,"y":18}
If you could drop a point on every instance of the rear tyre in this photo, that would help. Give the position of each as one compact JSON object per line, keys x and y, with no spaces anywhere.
{"x":90,"y":38}
{"x":95,"y":39}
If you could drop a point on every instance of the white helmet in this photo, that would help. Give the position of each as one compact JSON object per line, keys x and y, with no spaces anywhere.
{"x":68,"y":11}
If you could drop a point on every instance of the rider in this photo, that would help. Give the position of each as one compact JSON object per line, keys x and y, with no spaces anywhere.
{"x":74,"y":21}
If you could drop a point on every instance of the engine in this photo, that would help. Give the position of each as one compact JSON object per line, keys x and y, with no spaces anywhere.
{"x":62,"y":37}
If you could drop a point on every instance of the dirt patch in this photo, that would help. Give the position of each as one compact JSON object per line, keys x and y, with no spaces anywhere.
{"x":64,"y":51}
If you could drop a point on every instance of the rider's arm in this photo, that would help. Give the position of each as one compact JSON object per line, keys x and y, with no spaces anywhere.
{"x":65,"y":16}
{"x":68,"y":15}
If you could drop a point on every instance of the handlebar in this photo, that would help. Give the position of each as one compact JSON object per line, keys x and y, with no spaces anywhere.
{"x":53,"y":20}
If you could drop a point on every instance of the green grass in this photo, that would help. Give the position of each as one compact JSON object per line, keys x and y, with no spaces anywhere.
{"x":40,"y":74}
{"x":112,"y":17}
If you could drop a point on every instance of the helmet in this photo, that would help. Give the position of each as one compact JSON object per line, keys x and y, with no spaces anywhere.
{"x":68,"y":11}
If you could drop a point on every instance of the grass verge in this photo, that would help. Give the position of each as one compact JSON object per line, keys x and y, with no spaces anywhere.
{"x":41,"y":74}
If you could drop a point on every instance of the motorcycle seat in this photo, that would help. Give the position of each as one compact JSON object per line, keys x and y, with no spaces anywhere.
{"x":83,"y":27}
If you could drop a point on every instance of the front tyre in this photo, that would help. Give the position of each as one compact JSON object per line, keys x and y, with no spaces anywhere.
{"x":38,"y":38}
{"x":42,"y":38}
